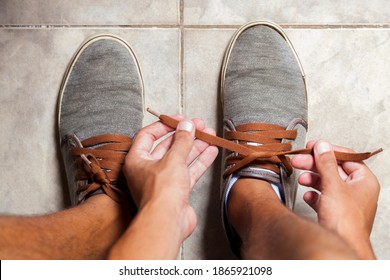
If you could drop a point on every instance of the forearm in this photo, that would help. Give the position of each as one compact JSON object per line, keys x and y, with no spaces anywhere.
{"x":362,"y":246}
{"x":155,"y":233}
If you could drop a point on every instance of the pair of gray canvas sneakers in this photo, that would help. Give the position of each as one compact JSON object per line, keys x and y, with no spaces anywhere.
{"x":101,"y":108}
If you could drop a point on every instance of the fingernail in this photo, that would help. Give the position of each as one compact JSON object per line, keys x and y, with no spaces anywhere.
{"x":185,"y":125}
{"x":323,"y":147}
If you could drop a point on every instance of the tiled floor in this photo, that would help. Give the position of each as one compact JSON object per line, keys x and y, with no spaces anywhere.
{"x":343,"y":45}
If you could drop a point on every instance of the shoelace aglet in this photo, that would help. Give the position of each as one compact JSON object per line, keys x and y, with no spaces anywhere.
{"x":158,"y":116}
{"x":85,"y":159}
{"x":153,"y":112}
{"x":377,"y":152}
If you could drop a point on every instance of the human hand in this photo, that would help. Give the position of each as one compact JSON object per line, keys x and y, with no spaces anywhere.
{"x":347,"y":196}
{"x":168,"y":173}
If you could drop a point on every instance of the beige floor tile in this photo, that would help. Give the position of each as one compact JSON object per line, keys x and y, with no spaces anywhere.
{"x":347,"y":71}
{"x":202,"y":58}
{"x":225,"y":12}
{"x":88,"y":12}
{"x":33,"y":63}
{"x":348,"y":79}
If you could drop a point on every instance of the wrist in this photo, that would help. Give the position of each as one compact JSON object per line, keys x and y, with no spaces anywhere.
{"x":365,"y":251}
{"x":157,"y":232}
{"x":172,"y":213}
{"x":362,"y":246}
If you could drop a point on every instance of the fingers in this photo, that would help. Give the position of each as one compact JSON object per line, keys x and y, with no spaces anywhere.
{"x":144,"y":141}
{"x":200,"y":156}
{"x":202,"y":164}
{"x":355,"y":170}
{"x":326,"y":164}
{"x":310,"y":144}
{"x":146,"y":137}
{"x":312,"y":198}
{"x":183,"y":141}
{"x":310,"y":179}
{"x":162,"y":148}
{"x":304,"y":162}
{"x":199,"y":147}
{"x":345,"y":168}
{"x":313,"y":180}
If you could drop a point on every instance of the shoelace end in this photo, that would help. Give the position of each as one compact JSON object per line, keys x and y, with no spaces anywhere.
{"x":377,"y":152}
{"x":84,"y":157}
{"x":153,"y":112}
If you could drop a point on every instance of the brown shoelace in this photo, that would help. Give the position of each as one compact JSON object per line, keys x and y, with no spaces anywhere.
{"x":102,"y":157}
{"x":269,"y":154}
{"x":102,"y":164}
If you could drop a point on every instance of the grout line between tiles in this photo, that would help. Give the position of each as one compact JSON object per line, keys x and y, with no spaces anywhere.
{"x":300,"y":26}
{"x":337,"y":26}
{"x":75,"y":26}
{"x":181,"y":71}
{"x":181,"y":25}
{"x":181,"y":29}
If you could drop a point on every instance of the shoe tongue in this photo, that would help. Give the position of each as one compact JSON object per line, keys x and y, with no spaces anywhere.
{"x":269,"y":176}
{"x":259,"y":173}
{"x":252,"y":171}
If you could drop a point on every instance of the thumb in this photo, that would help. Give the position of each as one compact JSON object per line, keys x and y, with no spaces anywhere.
{"x":326,"y":163}
{"x":183,"y":141}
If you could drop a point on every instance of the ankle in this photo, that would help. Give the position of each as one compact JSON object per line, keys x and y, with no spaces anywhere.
{"x":108,"y":212}
{"x":247,"y":199}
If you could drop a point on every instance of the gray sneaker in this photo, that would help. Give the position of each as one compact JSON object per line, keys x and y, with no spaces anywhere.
{"x":100,"y":109}
{"x":264,"y":101}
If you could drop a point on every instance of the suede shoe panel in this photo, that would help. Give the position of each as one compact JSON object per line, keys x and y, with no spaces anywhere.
{"x":263,"y":81}
{"x":102,"y":94}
